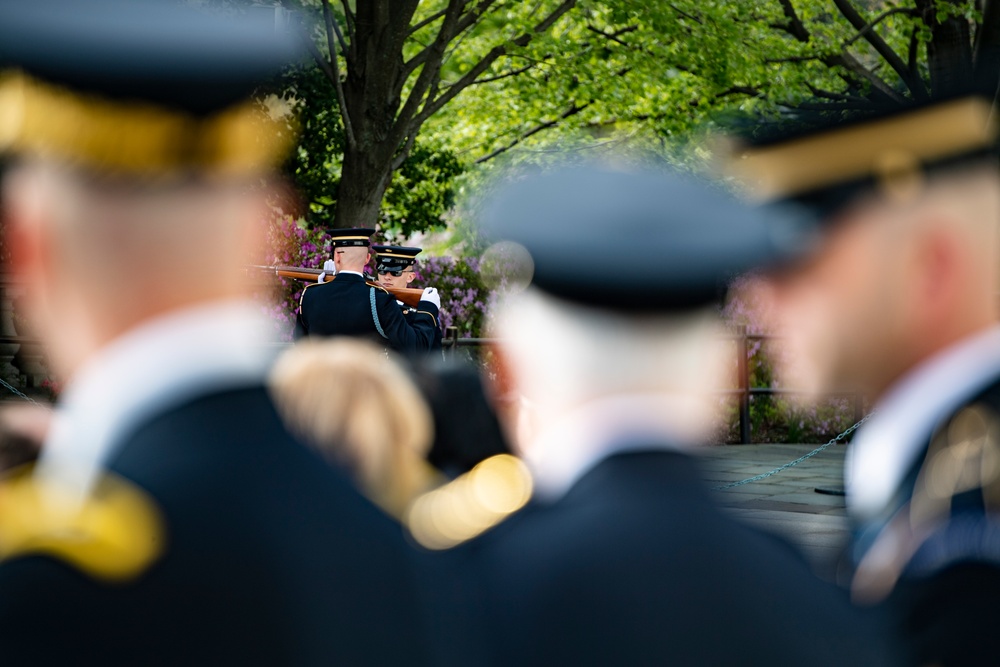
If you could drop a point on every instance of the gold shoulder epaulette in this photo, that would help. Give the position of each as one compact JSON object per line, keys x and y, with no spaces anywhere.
{"x":430,"y":315}
{"x":470,"y":504}
{"x":303,"y":295}
{"x":115,"y":534}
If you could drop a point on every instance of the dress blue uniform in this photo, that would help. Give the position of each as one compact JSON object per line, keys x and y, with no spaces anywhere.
{"x":621,"y":557}
{"x":394,"y":258}
{"x":921,"y":474}
{"x":171,"y":519}
{"x":351,"y":306}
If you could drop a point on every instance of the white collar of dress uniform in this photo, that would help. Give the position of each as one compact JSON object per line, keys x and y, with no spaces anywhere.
{"x":582,"y":438}
{"x":159,"y":363}
{"x":353,"y":273}
{"x":888,"y":445}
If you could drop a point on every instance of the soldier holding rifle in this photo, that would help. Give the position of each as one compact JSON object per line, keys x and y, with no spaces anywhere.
{"x":395,"y":267}
{"x":351,"y":306}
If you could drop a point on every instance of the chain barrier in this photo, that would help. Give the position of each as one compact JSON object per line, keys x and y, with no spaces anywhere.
{"x":765,"y":475}
{"x":14,"y":390}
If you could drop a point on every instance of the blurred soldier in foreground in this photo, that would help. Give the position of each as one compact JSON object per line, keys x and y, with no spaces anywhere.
{"x":351,"y":306}
{"x":361,"y":410}
{"x":466,"y":428}
{"x":901,"y":302}
{"x":395,"y":267}
{"x":171,"y":520}
{"x":623,"y":559}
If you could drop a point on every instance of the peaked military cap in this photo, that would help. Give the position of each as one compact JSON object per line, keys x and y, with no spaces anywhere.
{"x":648,"y":240}
{"x":353,"y":236}
{"x":395,"y":257}
{"x":891,"y":151}
{"x":141,"y":86}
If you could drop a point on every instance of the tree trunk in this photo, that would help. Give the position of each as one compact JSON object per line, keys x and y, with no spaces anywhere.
{"x":363,"y":183}
{"x":372,"y":92}
{"x":949,"y":53}
{"x":987,"y":54}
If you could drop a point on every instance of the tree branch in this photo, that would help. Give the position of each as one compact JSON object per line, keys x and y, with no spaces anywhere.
{"x":614,"y":36}
{"x":332,"y":30}
{"x":307,"y":39}
{"x":429,"y":78}
{"x":335,"y":72}
{"x":348,"y":18}
{"x":455,"y":23}
{"x":514,"y":72}
{"x":427,"y":21}
{"x":433,"y":105}
{"x":878,"y":19}
{"x":891,"y":57}
{"x":795,"y":27}
{"x":862,"y":105}
{"x":913,"y":52}
{"x":572,"y":111}
{"x":686,"y":15}
{"x":852,"y":64}
{"x":835,"y":96}
{"x":741,"y":90}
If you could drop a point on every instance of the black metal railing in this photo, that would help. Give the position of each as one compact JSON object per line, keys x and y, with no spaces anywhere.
{"x":743,"y":391}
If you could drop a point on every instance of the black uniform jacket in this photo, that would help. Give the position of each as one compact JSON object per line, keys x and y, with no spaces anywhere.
{"x":946,"y":603}
{"x":636,"y":566}
{"x":415,"y":318}
{"x":344,"y":307}
{"x":271,"y":558}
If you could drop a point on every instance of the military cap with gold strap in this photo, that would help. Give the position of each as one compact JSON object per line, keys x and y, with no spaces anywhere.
{"x":891,"y":152}
{"x":395,"y":257}
{"x":137,"y":87}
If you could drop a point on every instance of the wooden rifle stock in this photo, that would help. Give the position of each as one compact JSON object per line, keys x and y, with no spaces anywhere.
{"x":408,"y":295}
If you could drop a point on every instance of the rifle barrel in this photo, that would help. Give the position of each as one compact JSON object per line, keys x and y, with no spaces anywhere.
{"x":408,"y":295}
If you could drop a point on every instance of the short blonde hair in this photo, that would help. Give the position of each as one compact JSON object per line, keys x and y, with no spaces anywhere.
{"x":358,"y":407}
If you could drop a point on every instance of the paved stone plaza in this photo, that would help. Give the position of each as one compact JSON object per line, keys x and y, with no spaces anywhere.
{"x":785,"y":503}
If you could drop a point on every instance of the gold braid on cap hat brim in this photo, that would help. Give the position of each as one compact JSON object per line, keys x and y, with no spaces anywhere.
{"x":396,"y":255}
{"x":41,"y":119}
{"x":880,"y":149}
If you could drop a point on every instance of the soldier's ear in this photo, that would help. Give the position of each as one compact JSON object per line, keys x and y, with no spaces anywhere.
{"x":409,"y":277}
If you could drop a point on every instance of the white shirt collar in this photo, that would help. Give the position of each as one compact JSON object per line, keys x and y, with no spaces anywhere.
{"x":353,"y":273}
{"x":578,"y":441}
{"x":159,"y":363}
{"x":888,"y":445}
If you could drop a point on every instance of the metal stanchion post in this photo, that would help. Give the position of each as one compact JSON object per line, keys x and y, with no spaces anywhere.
{"x":743,"y":371}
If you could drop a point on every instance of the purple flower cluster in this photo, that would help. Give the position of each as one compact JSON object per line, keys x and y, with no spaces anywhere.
{"x":289,"y":243}
{"x":464,"y":298}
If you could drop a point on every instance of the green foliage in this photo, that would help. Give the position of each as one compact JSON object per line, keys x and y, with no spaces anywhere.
{"x":421,"y":191}
{"x":616,"y":75}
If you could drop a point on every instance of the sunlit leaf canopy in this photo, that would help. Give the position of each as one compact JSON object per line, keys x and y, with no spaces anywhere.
{"x":524,"y":79}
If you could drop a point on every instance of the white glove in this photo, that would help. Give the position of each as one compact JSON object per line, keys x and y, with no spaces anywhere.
{"x":431,"y":294}
{"x":329,"y":267}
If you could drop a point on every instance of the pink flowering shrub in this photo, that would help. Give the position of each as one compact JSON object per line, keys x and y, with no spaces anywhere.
{"x":289,"y":243}
{"x":465,"y":300}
